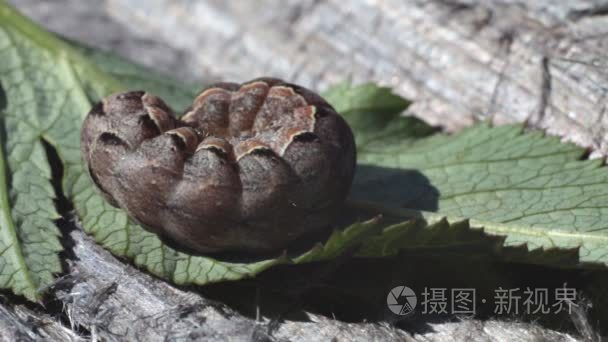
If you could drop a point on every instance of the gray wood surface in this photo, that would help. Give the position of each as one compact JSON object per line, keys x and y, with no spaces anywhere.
{"x":19,"y":323}
{"x":542,"y":61}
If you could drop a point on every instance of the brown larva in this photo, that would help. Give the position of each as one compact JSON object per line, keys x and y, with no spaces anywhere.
{"x":249,"y":167}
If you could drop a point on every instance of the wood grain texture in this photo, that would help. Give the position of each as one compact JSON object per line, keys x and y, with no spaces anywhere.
{"x":115,"y":301}
{"x":459,"y":61}
{"x":20,"y":323}
{"x":543,"y":62}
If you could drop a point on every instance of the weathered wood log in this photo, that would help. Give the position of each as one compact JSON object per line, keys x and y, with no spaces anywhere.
{"x":460,"y":61}
{"x":115,"y":301}
{"x":19,"y":323}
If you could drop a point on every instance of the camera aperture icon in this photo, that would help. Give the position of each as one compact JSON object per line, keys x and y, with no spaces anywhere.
{"x":401,"y":300}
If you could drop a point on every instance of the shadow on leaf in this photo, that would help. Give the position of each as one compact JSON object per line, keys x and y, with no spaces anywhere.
{"x":405,"y":188}
{"x":3,"y":100}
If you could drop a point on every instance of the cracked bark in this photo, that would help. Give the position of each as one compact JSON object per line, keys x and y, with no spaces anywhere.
{"x":545,"y":92}
{"x":458,"y":60}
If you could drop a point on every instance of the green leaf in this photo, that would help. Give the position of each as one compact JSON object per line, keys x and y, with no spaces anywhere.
{"x":528,"y":187}
{"x":432,"y":234}
{"x":372,"y":112}
{"x":29,"y":240}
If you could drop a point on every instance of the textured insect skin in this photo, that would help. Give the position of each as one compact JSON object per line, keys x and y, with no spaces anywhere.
{"x":248,"y":167}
